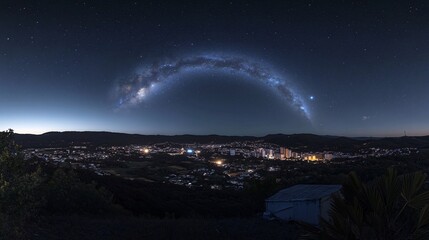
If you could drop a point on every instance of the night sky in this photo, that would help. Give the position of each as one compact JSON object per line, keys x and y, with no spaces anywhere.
{"x":348,"y":68}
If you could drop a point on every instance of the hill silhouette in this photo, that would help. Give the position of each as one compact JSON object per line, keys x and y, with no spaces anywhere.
{"x":308,"y":141}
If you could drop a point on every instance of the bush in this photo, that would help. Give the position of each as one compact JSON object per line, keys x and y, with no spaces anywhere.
{"x":390,"y":207}
{"x":20,"y":198}
{"x":67,"y":194}
{"x":26,"y":192}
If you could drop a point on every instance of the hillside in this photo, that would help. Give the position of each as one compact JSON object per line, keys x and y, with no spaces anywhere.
{"x":307,"y":141}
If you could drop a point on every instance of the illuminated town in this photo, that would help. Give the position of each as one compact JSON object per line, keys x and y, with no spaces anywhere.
{"x":214,"y":166}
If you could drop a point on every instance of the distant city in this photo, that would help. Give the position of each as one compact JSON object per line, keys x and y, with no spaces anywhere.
{"x":214,"y":166}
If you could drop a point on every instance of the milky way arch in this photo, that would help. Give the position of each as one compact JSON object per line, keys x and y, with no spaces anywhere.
{"x":138,"y":87}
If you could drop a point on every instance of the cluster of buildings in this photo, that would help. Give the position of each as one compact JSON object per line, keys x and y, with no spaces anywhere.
{"x":238,"y":149}
{"x":216,"y":166}
{"x":281,"y":153}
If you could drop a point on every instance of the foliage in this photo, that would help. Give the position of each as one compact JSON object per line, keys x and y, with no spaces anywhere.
{"x":67,"y":194}
{"x":20,"y":198}
{"x":26,"y":192}
{"x":390,"y":207}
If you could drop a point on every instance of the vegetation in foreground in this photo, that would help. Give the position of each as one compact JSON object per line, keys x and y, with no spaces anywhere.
{"x":390,"y":207}
{"x":27,"y":192}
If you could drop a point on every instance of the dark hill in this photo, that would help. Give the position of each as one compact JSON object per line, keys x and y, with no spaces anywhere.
{"x":313,"y":142}
{"x":61,"y":139}
{"x":305,"y":141}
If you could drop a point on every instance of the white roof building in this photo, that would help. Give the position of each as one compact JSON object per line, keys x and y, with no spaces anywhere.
{"x":302,"y":202}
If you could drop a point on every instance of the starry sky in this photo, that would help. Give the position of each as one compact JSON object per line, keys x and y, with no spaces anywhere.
{"x":352,"y":68}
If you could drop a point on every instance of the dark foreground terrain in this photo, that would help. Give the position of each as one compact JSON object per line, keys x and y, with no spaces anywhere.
{"x":139,"y":228}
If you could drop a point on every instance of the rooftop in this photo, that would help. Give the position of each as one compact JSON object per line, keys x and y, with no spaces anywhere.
{"x":303,"y":192}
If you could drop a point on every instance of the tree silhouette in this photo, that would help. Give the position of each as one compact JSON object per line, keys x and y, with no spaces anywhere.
{"x":390,"y":207}
{"x":20,"y":198}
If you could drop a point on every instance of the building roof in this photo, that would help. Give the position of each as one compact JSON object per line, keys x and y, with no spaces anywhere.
{"x":302,"y":192}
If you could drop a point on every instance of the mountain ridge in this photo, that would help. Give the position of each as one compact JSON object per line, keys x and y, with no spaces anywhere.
{"x":303,"y":140}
